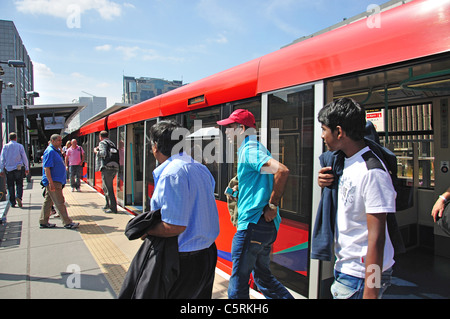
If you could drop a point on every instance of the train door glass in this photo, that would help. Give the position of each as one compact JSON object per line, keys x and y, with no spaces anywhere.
{"x":83,"y":141}
{"x":291,"y":113}
{"x":150,"y":165}
{"x":291,"y":135}
{"x":94,"y":141}
{"x":204,"y":139}
{"x":411,"y":132}
{"x":135,"y":171}
{"x":121,"y":175}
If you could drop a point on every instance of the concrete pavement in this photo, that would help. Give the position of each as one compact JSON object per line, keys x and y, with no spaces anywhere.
{"x":87,"y":263}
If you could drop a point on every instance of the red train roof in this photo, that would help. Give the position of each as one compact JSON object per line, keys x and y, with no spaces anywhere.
{"x":417,"y":29}
{"x":97,"y":126}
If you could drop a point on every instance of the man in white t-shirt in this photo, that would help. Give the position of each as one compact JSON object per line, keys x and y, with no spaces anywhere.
{"x":363,"y":249}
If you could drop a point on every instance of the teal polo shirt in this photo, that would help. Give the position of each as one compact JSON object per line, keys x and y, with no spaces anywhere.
{"x":52,"y":158}
{"x":255,"y":187}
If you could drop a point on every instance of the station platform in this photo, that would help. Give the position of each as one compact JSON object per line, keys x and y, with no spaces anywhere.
{"x":87,"y":263}
{"x":91,"y":261}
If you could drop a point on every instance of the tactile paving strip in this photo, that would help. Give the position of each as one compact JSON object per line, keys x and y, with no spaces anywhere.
{"x":113,"y":263}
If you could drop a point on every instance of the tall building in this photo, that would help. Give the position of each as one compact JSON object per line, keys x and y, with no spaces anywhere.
{"x":94,"y":105}
{"x":12,"y":48}
{"x":136,"y":90}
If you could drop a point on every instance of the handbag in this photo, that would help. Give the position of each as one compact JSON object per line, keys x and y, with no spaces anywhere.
{"x":232,"y":203}
{"x":444,"y":221}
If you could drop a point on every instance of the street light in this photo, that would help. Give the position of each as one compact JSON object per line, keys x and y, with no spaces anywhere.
{"x":28,"y":96}
{"x":13,"y":64}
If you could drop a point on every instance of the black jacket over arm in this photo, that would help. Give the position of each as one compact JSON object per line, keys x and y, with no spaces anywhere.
{"x":155,"y":267}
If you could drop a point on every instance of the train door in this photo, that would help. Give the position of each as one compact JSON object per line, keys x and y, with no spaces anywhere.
{"x":409,"y":106}
{"x":149,"y":166}
{"x":121,"y":139}
{"x":286,"y":126}
{"x":290,"y":131}
{"x":135,"y":171}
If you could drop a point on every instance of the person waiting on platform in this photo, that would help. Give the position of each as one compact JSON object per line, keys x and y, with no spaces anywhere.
{"x":14,"y":163}
{"x":74,"y":160}
{"x":54,"y":178}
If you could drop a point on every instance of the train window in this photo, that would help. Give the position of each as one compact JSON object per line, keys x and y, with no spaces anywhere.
{"x":411,"y":138}
{"x":204,"y":139}
{"x":291,"y":113}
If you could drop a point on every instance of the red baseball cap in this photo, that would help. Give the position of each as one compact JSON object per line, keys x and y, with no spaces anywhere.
{"x":240,"y":116}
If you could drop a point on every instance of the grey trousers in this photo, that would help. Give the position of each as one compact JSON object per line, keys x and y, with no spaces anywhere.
{"x":108,"y":175}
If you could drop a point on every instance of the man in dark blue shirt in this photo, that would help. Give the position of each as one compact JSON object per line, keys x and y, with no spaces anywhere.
{"x":54,"y":178}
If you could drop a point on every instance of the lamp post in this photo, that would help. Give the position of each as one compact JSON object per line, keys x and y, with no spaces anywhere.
{"x":28,"y":96}
{"x":13,"y":64}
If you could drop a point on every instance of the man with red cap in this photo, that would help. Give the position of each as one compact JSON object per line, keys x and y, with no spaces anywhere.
{"x":262,"y":181}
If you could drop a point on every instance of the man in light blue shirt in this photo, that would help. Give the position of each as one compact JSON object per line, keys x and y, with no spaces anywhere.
{"x":184,"y":192}
{"x":262,"y":181}
{"x":14,"y":163}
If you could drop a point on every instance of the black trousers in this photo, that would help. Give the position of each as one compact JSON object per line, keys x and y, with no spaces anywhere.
{"x":14,"y":179}
{"x":197,"y":271}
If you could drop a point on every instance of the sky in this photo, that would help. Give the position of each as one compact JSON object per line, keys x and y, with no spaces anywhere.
{"x":88,"y":45}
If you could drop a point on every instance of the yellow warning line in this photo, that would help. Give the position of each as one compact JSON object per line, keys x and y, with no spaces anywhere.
{"x":113,"y":263}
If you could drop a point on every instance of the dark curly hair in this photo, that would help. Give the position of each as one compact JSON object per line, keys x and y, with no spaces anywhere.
{"x":347,"y":114}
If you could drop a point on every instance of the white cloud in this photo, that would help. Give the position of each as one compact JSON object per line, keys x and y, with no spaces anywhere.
{"x":136,"y":52}
{"x":77,"y":75}
{"x":107,"y":9}
{"x":128,"y":52}
{"x":217,"y":15}
{"x":43,"y":71}
{"x":57,"y":88}
{"x":279,"y":12}
{"x":221,"y":39}
{"x":106,"y":47}
{"x":104,"y":85}
{"x":129,"y":5}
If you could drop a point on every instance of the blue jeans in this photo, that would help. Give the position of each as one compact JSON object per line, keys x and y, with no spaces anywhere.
{"x":349,"y":287}
{"x":250,"y":252}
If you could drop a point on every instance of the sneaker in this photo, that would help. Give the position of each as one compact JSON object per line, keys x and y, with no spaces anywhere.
{"x":48,"y":225}
{"x":72,"y":225}
{"x":19,"y":202}
{"x":78,"y":190}
{"x":73,"y":189}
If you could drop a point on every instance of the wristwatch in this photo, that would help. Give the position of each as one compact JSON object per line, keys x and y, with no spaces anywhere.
{"x":272,"y":206}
